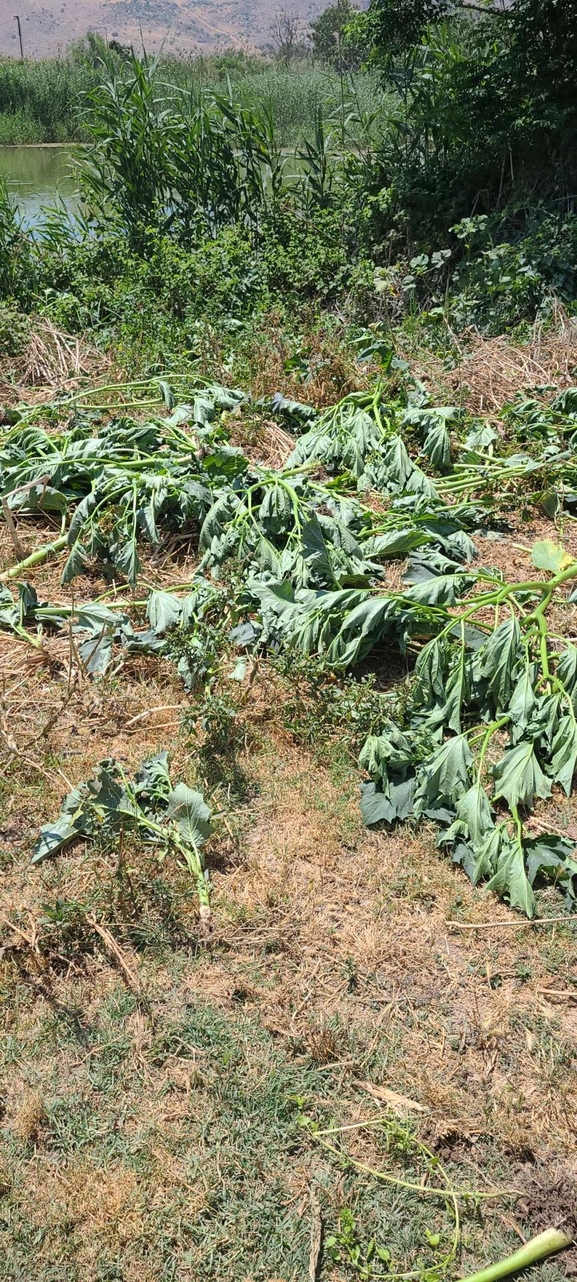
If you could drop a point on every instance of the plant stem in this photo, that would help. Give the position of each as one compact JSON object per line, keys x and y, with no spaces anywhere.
{"x":36,"y":558}
{"x":537,"y":1249}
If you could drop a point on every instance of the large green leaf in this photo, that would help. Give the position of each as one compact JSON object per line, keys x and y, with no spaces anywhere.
{"x":75,"y":564}
{"x":73,"y":821}
{"x":438,"y":446}
{"x":564,"y":753}
{"x":394,"y":543}
{"x":473,"y":809}
{"x":497,"y":663}
{"x":163,"y":611}
{"x":152,"y":780}
{"x":510,"y":879}
{"x":519,"y":777}
{"x":446,"y":774}
{"x":547,"y":555}
{"x":189,"y":811}
{"x":395,"y":802}
{"x":315,"y":558}
{"x":522,"y":701}
{"x":126,"y":559}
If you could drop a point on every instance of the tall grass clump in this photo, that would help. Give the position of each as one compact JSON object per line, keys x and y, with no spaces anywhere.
{"x":292,"y":94}
{"x":43,"y":101}
{"x":188,"y":163}
{"x":15,"y":249}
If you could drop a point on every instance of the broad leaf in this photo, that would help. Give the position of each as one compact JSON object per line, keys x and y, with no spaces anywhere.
{"x":473,"y":809}
{"x":394,"y":543}
{"x":519,"y":777}
{"x":497,"y":663}
{"x":191,"y":814}
{"x":163,"y":611}
{"x":446,"y":775}
{"x":73,"y":821}
{"x":564,"y":753}
{"x":547,"y":555}
{"x":510,"y":879}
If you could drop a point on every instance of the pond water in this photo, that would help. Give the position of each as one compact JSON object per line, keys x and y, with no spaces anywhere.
{"x":39,"y":176}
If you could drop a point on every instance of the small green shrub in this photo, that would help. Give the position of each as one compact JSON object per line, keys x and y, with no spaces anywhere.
{"x":507,"y":281}
{"x":304,"y":255}
{"x":14,"y":329}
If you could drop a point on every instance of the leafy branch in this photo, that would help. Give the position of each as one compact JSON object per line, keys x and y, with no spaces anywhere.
{"x":176,"y":819}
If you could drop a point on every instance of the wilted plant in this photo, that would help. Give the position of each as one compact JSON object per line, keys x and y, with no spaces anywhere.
{"x":175,"y":819}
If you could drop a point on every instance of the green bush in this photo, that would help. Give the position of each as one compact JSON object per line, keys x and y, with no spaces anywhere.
{"x":17,"y":127}
{"x":305,"y":255}
{"x":221,"y":276}
{"x":506,"y":282}
{"x":14,"y":329}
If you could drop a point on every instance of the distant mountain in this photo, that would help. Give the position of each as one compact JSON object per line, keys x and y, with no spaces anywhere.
{"x":193,"y":26}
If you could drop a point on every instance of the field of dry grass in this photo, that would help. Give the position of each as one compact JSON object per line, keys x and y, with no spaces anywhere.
{"x":156,"y":1076}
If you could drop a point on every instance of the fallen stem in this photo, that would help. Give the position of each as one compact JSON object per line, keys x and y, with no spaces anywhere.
{"x":527,"y":921}
{"x":538,"y":1248}
{"x":35,"y":558}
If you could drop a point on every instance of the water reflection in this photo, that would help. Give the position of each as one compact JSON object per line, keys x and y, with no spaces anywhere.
{"x":40,"y":176}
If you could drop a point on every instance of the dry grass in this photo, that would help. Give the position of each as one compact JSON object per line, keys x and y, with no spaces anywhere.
{"x":330,"y":947}
{"x":491,"y":372}
{"x":332,"y":370}
{"x":265,"y":442}
{"x":333,"y":940}
{"x":52,"y":363}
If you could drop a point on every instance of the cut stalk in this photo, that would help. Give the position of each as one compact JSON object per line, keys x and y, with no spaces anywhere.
{"x":35,"y":558}
{"x":538,"y":1248}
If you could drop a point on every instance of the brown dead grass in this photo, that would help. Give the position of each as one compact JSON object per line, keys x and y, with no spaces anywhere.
{"x":265,"y":443}
{"x":332,"y":368}
{"x":29,"y":1117}
{"x":335,"y":939}
{"x":52,"y":362}
{"x":493,"y":371}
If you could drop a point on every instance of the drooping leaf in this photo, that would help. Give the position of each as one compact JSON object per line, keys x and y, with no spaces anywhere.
{"x":567,"y":670}
{"x":189,"y":811}
{"x":497,"y":663}
{"x":152,"y":779}
{"x":394,"y":543}
{"x":73,"y":821}
{"x":314,"y":554}
{"x":446,"y":774}
{"x":564,"y":753}
{"x":519,"y":777}
{"x":438,"y":445}
{"x":510,"y":879}
{"x":126,"y":560}
{"x":387,"y":806}
{"x":163,"y":611}
{"x":75,"y":564}
{"x":522,"y":701}
{"x":96,"y":653}
{"x":547,"y":853}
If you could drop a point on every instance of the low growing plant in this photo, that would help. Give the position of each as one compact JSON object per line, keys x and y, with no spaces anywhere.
{"x":175,"y":819}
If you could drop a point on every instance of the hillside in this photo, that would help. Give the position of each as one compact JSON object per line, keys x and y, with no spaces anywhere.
{"x":189,"y":25}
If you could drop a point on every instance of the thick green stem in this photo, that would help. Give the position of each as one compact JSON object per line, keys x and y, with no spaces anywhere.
{"x":36,"y":558}
{"x":192,"y":859}
{"x":537,"y":1249}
